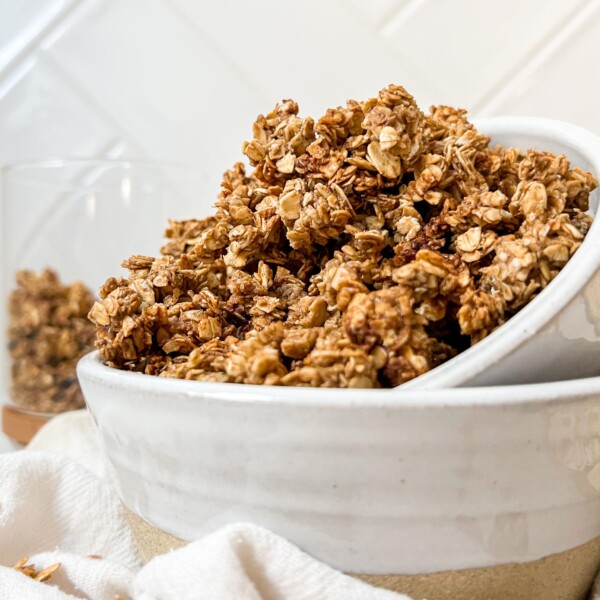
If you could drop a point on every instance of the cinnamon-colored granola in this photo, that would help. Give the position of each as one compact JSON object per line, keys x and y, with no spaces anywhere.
{"x":48,"y":333}
{"x":363,"y":250}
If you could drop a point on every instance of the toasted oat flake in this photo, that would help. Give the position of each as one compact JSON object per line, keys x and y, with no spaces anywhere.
{"x":362,"y":250}
{"x":31,"y":571}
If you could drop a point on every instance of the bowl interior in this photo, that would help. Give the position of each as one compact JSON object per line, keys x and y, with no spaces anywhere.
{"x":582,"y":148}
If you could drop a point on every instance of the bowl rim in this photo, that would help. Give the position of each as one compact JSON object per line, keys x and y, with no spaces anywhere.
{"x":91,"y":369}
{"x":559,"y":293}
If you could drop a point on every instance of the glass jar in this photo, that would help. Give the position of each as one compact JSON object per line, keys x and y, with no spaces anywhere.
{"x":66,"y":227}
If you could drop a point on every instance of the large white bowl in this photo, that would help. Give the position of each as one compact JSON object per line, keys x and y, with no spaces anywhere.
{"x":369,"y":481}
{"x":557,"y":335}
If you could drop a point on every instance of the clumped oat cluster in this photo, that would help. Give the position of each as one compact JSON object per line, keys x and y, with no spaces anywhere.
{"x":48,"y":333}
{"x":362,"y":250}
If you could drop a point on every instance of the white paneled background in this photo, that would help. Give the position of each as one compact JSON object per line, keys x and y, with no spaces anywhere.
{"x":182,"y":80}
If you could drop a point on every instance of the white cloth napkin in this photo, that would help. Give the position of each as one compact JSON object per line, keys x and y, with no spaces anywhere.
{"x":56,"y":506}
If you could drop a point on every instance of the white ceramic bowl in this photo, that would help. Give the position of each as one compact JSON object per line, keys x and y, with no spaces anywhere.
{"x":369,"y":481}
{"x":556,"y":335}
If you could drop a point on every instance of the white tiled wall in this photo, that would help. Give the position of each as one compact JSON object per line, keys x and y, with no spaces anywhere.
{"x":182,"y":80}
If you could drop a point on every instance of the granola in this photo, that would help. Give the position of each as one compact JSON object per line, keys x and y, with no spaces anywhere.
{"x":48,"y":332}
{"x":362,"y":250}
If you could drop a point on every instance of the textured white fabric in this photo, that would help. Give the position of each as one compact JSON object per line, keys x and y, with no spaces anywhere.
{"x":72,"y":435}
{"x":56,"y":510}
{"x":246,"y":562}
{"x":56,"y":506}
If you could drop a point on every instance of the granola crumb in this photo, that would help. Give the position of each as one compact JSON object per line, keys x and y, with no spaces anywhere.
{"x":31,"y":571}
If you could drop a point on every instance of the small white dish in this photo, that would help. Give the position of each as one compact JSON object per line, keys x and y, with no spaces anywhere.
{"x":369,"y":481}
{"x":556,"y":336}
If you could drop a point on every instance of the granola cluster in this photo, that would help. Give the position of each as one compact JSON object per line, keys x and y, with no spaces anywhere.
{"x":48,"y":333}
{"x":362,"y":250}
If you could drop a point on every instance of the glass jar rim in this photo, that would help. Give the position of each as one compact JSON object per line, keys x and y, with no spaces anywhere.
{"x":66,"y":161}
